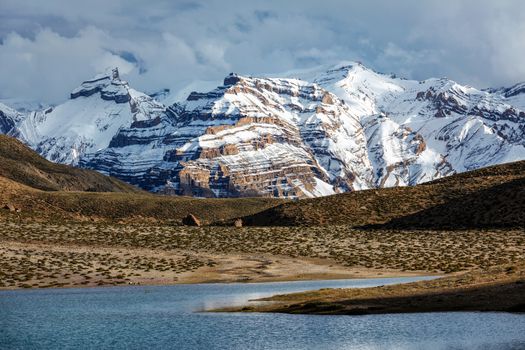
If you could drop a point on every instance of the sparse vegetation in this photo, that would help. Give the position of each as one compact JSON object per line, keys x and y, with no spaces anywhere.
{"x":62,"y":238}
{"x":40,"y":251}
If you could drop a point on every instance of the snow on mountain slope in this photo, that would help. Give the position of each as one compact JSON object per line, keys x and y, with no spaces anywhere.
{"x":9,"y":118}
{"x":251,"y":136}
{"x":286,"y":116}
{"x":88,"y":121}
{"x":514,"y":95}
{"x":421,"y":130}
{"x":309,"y":133}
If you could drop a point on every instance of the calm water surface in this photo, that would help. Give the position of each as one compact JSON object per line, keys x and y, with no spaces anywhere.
{"x":169,"y":317}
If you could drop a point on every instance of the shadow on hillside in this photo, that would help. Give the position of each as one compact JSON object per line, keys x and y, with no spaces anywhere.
{"x":500,"y":206}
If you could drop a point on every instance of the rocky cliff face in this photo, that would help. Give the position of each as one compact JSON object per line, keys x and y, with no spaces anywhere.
{"x":310,"y":133}
{"x":251,"y":136}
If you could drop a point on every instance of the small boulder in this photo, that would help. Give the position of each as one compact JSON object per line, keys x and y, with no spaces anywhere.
{"x":191,"y":220}
{"x":237,"y":222}
{"x":10,"y":207}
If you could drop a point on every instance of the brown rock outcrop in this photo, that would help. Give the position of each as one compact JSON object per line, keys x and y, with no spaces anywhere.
{"x":10,"y":207}
{"x":191,"y":220}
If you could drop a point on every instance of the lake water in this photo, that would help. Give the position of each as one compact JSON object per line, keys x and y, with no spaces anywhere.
{"x":170,"y":317}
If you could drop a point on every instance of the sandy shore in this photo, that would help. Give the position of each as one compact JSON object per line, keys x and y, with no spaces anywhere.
{"x":267,"y":268}
{"x":42,"y":265}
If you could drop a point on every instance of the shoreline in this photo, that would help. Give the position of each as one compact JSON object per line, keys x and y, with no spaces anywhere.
{"x":497,"y":289}
{"x":197,"y":280}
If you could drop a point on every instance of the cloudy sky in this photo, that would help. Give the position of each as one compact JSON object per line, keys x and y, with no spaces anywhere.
{"x":48,"y":47}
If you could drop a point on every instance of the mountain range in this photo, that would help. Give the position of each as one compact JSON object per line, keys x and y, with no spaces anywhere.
{"x":303,"y":134}
{"x":34,"y":188}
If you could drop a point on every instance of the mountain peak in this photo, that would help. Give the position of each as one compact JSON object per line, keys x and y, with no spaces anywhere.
{"x":346,"y":66}
{"x":329,"y":73}
{"x":232,"y":79}
{"x":115,"y":74}
{"x":108,"y":84}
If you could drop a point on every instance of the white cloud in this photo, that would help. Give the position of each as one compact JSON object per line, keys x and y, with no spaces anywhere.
{"x":48,"y":66}
{"x":48,"y":48}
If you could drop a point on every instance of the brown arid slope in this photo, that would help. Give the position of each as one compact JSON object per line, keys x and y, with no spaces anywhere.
{"x":46,"y":191}
{"x":497,"y":289}
{"x":119,"y":206}
{"x":24,"y":166}
{"x":114,"y":206}
{"x":489,"y":197}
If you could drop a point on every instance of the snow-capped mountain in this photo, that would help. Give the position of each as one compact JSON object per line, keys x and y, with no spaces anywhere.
{"x":307,"y":133}
{"x":88,"y":121}
{"x":251,"y":136}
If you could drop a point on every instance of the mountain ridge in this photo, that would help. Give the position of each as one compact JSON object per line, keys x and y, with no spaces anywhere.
{"x":307,"y":134}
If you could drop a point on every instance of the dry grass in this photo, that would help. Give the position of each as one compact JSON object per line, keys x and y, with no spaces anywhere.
{"x":424,"y":251}
{"x":499,"y":288}
{"x":28,"y":266}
